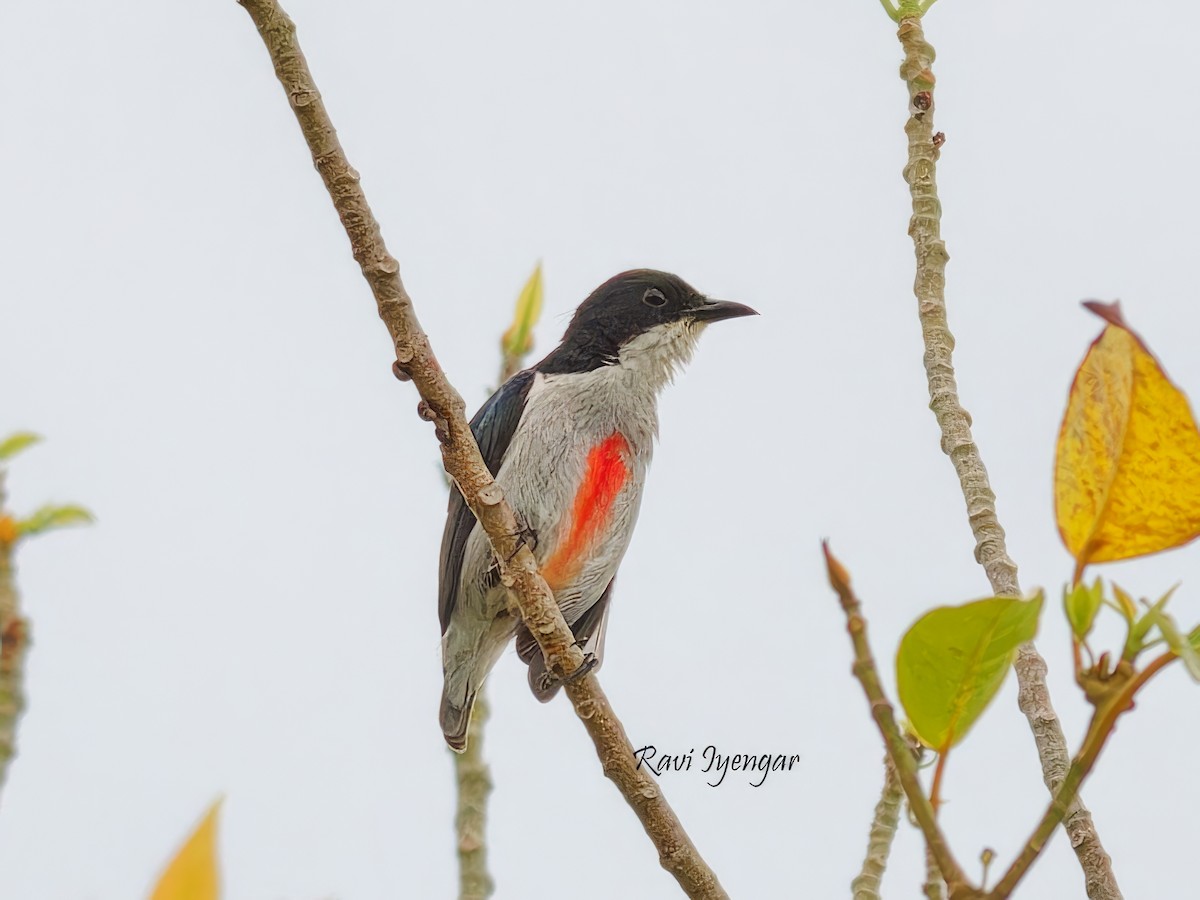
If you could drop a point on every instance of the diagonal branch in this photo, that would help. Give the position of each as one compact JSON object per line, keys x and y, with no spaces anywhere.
{"x":1119,"y":699}
{"x":898,"y":749}
{"x":442,"y":405}
{"x":1101,"y":728}
{"x":957,"y":442}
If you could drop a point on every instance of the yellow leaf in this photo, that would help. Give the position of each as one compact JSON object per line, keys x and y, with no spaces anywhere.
{"x":192,"y":874}
{"x":1127,"y":473}
{"x":518,"y":340}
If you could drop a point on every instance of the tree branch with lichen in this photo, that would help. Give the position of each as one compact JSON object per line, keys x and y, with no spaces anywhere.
{"x":934,"y":887}
{"x":958,"y":443}
{"x":867,"y":884}
{"x":443,"y":406}
{"x":474,"y":782}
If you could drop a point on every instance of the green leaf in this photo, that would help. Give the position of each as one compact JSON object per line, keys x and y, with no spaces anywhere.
{"x":49,"y":518}
{"x":953,"y":660}
{"x":1180,"y":644}
{"x":518,"y":340}
{"x":15,"y":443}
{"x":1082,"y":603}
{"x":1136,"y":642}
{"x":1125,"y":604}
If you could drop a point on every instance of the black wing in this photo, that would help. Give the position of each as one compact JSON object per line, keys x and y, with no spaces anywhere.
{"x":493,"y":427}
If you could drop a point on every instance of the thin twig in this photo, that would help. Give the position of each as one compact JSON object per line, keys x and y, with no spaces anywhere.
{"x":474,"y":785}
{"x":1101,"y":728}
{"x":898,"y":749}
{"x":934,"y":887}
{"x":442,"y":405}
{"x":471,"y":773}
{"x":957,"y":442}
{"x":1099,"y":731}
{"x":935,"y":789}
{"x":509,"y":365}
{"x":14,"y":641}
{"x":867,"y":884}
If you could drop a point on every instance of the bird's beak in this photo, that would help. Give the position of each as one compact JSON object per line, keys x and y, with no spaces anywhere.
{"x":716,"y":310}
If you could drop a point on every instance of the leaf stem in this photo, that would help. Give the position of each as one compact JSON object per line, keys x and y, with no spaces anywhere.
{"x":935,"y":790}
{"x":892,"y":11}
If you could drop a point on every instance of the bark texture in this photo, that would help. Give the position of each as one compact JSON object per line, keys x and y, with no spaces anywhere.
{"x":957,"y":442}
{"x":474,"y":786}
{"x":867,"y":885}
{"x":898,"y":748}
{"x":472,"y":776}
{"x":443,"y":406}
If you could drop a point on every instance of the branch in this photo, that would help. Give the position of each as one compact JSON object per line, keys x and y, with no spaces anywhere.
{"x":443,"y":406}
{"x":471,"y":773}
{"x":1099,"y":731}
{"x":957,"y":442}
{"x":509,"y":365}
{"x":879,"y":843}
{"x":934,"y":887}
{"x":14,"y":641}
{"x":1103,"y":723}
{"x":897,"y":747}
{"x":470,"y":819}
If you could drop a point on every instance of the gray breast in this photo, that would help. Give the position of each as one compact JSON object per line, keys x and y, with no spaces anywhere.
{"x":566,"y":416}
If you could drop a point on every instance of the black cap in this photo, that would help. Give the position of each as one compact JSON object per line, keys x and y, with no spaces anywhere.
{"x":625,"y":306}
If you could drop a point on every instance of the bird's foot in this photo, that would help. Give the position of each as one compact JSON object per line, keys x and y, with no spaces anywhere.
{"x":548,"y":680}
{"x":526,"y":537}
{"x":589,"y":662}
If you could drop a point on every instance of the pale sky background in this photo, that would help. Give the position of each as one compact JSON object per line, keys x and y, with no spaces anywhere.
{"x":254,"y":614}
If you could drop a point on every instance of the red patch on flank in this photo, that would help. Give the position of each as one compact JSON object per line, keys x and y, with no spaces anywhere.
{"x":603,"y":479}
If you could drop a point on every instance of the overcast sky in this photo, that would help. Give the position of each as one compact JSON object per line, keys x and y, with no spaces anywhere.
{"x":254,"y":614}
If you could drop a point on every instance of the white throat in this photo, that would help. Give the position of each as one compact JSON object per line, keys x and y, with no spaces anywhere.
{"x":654,"y":356}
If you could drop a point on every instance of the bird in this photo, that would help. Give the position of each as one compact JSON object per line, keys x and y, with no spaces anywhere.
{"x":569,"y":440}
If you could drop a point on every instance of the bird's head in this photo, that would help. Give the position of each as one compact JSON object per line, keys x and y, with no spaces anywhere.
{"x":643,"y":320}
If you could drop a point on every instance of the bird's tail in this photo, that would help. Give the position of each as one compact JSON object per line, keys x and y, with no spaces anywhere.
{"x":455,"y":719}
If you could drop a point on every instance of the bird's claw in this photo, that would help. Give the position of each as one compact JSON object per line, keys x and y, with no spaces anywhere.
{"x":589,"y":662}
{"x":548,"y":679}
{"x":526,"y":537}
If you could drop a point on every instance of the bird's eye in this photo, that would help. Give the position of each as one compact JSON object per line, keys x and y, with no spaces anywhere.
{"x":654,"y":297}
